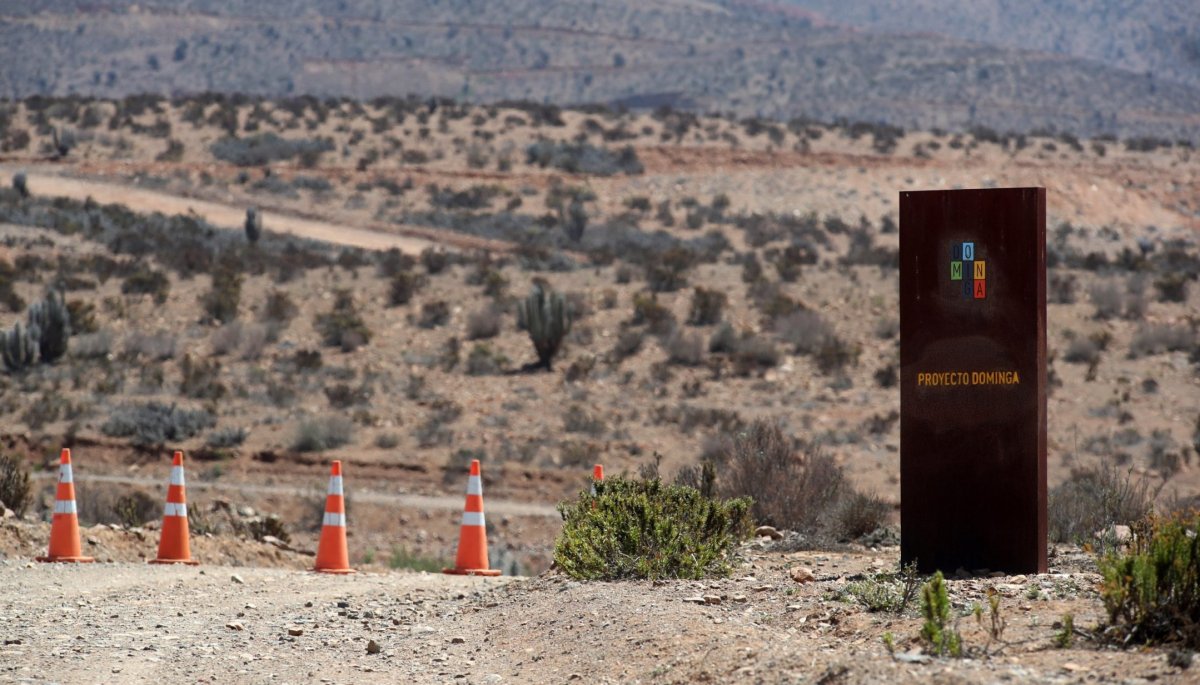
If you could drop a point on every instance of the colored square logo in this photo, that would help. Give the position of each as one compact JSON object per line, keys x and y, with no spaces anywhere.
{"x":980,"y":289}
{"x":956,"y":271}
{"x":956,"y":252}
{"x":980,"y":271}
{"x":968,"y":288}
{"x":968,"y":250}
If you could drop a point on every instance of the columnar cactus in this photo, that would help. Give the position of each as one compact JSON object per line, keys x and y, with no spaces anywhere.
{"x":253,"y":225}
{"x":544,"y":315}
{"x":18,"y":348}
{"x":50,"y":326}
{"x":20,"y":184}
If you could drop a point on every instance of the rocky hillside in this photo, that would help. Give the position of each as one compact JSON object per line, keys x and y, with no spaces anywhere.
{"x":1158,"y":39}
{"x":749,"y":59}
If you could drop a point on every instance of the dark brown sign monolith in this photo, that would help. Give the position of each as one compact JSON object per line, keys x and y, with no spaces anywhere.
{"x":973,"y":379}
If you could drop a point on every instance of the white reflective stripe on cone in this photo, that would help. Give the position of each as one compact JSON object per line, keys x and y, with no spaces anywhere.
{"x":64,"y":506}
{"x":334,"y":519}
{"x":176,"y":475}
{"x":175,"y":509}
{"x":472,"y":518}
{"x":64,"y":473}
{"x":335,"y":485}
{"x":474,"y":485}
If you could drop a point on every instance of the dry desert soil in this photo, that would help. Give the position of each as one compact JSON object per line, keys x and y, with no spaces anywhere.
{"x":794,"y":223}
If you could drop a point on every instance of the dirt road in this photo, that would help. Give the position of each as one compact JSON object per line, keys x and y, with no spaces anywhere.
{"x":128,"y":623}
{"x":217,"y":214}
{"x":402,"y":500}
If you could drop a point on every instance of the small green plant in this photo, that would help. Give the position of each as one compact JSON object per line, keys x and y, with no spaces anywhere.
{"x":199,"y":522}
{"x":994,"y":623}
{"x":402,"y":558}
{"x":886,"y":592}
{"x":1152,"y":591}
{"x":889,"y":642}
{"x":15,"y":492}
{"x":646,"y":529}
{"x":135,"y":508}
{"x":942,"y":638}
{"x":1066,"y":633}
{"x":545,"y":316}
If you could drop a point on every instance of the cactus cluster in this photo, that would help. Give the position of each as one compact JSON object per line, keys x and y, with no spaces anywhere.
{"x":253,"y":225}
{"x":544,"y":314}
{"x":19,"y":348}
{"x":45,"y":337}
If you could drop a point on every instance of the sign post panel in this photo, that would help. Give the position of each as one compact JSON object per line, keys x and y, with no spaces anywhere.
{"x":973,"y":379}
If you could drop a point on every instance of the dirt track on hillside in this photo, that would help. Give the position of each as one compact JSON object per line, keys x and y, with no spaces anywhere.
{"x":218,"y":214}
{"x":417,"y":502}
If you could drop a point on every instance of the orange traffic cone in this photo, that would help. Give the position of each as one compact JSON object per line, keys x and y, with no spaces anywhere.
{"x":64,"y":527}
{"x":597,"y":476}
{"x":472,"y":559}
{"x":173,"y":544}
{"x":332,"y":555}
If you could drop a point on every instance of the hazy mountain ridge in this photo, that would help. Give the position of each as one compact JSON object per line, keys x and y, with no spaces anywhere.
{"x":753,"y":60}
{"x":1160,"y":38}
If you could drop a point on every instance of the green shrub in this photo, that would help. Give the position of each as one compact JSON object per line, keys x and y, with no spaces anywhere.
{"x":404,"y":285}
{"x":322,"y":433}
{"x":15,"y":492}
{"x":201,"y":379}
{"x":269,"y":526}
{"x":136,"y":508}
{"x":707,"y":306}
{"x":264,"y":148}
{"x":645,"y":529}
{"x":485,"y":360}
{"x":342,"y":326}
{"x":147,"y":281}
{"x":1093,"y":500}
{"x":221,"y":301}
{"x":942,"y":638}
{"x":224,"y":438}
{"x":1152,"y":592}
{"x":790,"y":490}
{"x":886,"y":592}
{"x":155,"y":424}
{"x":402,"y":558}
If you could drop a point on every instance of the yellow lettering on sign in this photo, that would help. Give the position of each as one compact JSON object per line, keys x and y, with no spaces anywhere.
{"x":934,"y":379}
